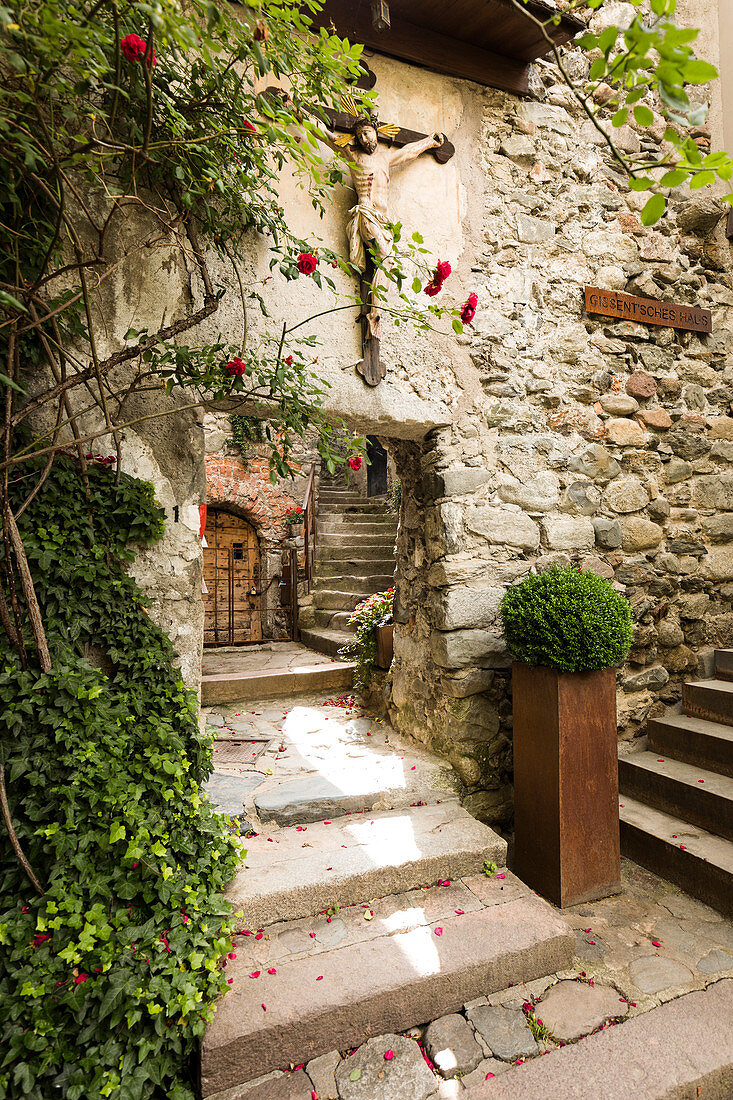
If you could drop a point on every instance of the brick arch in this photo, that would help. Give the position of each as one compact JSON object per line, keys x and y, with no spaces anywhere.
{"x":247,"y":491}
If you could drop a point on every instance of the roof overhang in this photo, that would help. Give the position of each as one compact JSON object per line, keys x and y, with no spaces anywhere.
{"x":488,"y":41}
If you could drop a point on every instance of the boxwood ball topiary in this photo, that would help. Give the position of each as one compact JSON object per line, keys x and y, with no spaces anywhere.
{"x":567,"y":619}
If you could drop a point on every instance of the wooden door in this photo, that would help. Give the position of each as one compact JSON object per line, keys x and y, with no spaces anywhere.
{"x":232,"y":604}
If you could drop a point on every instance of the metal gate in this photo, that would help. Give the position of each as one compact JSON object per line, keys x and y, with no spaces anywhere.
{"x":232,"y":602}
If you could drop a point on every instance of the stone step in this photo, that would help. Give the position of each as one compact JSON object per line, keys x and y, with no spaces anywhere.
{"x":724,"y":664}
{"x":334,"y":598}
{"x":709,"y":699}
{"x":364,"y":507}
{"x":359,"y":542}
{"x":702,"y":864}
{"x":378,"y":566}
{"x":682,"y":1049}
{"x":340,"y":497}
{"x":347,"y":551}
{"x":325,"y":640}
{"x":369,"y":977}
{"x":309,"y":679}
{"x":336,"y":620}
{"x":693,"y":740}
{"x":342,"y":526}
{"x":700,"y":797}
{"x":356,"y":516}
{"x":367,"y":585}
{"x":386,"y":852}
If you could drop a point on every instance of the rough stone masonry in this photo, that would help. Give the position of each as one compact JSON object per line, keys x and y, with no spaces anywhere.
{"x":594,"y":442}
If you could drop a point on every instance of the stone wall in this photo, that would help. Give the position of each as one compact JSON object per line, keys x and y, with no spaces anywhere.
{"x":603,"y":444}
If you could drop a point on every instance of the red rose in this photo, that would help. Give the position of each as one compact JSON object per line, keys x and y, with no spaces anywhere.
{"x":247,"y":125}
{"x":133,"y":47}
{"x":80,"y":978}
{"x":289,"y":360}
{"x":299,"y":511}
{"x":441,"y":273}
{"x":235,"y":368}
{"x":355,"y":462}
{"x":468,"y":309}
{"x":307,"y":263}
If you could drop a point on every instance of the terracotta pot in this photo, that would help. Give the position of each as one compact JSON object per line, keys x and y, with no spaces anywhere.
{"x":566,"y":838}
{"x":385,"y":645}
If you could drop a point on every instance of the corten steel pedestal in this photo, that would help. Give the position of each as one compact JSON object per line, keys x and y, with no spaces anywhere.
{"x":566,"y":783}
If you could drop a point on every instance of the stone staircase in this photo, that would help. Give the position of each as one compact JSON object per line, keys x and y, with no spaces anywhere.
{"x":370,"y":924}
{"x":676,"y":803}
{"x":354,"y":558}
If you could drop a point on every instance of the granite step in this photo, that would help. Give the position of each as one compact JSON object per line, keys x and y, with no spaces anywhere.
{"x":309,"y":679}
{"x":682,"y":1049}
{"x":696,"y":860}
{"x":723,"y":664}
{"x":700,"y":797}
{"x":384,"y":852}
{"x":364,"y":507}
{"x":360,"y":541}
{"x":367,"y":568}
{"x":345,"y":527}
{"x":368,"y":520}
{"x":693,"y":740}
{"x":336,"y":599}
{"x":367,"y":551}
{"x":709,"y":699}
{"x":353,"y":583}
{"x":325,"y":639}
{"x":335,"y":620}
{"x":384,"y":974}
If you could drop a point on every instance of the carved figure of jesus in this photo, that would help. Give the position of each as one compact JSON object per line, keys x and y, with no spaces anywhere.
{"x":371,"y":166}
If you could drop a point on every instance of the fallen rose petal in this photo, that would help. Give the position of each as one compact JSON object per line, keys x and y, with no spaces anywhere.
{"x":319,"y":978}
{"x":438,"y":931}
{"x":255,"y":974}
{"x":388,"y":1055}
{"x":488,"y":1075}
{"x":656,"y":944}
{"x":459,"y":912}
{"x":501,"y":876}
{"x":272,"y":970}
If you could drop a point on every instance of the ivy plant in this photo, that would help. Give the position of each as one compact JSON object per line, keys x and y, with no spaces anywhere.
{"x":107,"y":976}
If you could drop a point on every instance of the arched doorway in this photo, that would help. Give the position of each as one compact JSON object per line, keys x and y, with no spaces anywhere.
{"x":232,"y":602}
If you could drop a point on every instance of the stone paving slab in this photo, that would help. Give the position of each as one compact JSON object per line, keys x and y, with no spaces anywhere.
{"x":571,"y":1010}
{"x":313,"y":1004}
{"x":368,"y":1075}
{"x":289,"y":873}
{"x":317,"y":738}
{"x":668,"y":1053}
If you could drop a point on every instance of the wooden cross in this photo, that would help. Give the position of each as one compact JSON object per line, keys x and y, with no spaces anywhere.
{"x":370,"y":366}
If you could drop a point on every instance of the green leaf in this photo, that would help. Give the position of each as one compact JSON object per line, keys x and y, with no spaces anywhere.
{"x":698,"y":71}
{"x":355,"y":1075}
{"x":643,"y":115}
{"x":620,"y":117}
{"x":653,"y":210}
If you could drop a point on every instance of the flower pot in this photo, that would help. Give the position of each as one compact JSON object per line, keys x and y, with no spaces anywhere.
{"x":385,"y":645}
{"x":566,"y":839}
{"x":295,"y":530}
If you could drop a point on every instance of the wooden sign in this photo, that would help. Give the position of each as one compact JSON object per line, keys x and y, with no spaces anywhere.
{"x":647,"y":311}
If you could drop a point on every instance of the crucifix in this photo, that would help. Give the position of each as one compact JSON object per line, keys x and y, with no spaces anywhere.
{"x":368,"y":228}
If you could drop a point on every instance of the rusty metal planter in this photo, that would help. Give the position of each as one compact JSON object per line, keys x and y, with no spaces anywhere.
{"x":385,"y":645}
{"x":566,"y":783}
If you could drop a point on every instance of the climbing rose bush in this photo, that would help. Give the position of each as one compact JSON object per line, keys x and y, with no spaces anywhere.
{"x":468,"y":309}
